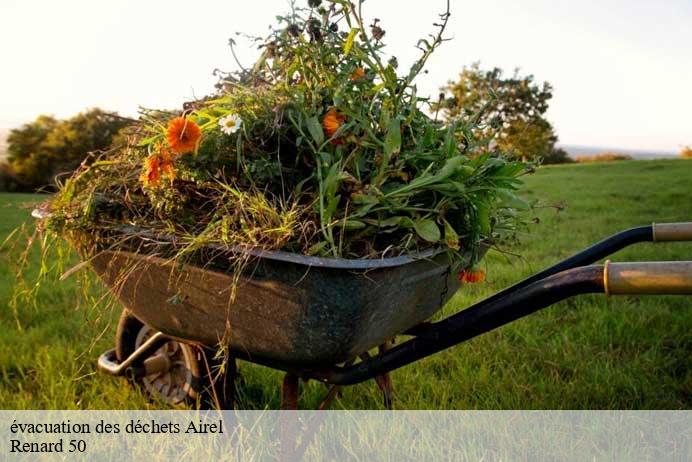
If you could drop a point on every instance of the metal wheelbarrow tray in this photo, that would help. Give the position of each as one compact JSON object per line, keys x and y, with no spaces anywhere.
{"x":306,"y":311}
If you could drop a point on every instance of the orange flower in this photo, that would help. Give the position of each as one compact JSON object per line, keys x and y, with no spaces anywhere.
{"x":157,"y":166}
{"x":167,"y":169}
{"x":152,"y":171}
{"x":358,"y":74}
{"x":471,"y":276}
{"x":333,"y":120}
{"x":182,"y":135}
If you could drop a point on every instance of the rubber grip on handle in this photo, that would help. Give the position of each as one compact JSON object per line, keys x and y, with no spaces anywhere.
{"x":669,"y":232}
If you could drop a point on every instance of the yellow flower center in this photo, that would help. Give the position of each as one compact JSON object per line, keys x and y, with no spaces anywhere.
{"x":230,"y":123}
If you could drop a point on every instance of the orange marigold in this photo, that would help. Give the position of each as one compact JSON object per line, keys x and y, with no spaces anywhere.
{"x":157,"y":166}
{"x":333,"y":120}
{"x":471,"y":276}
{"x":182,"y":135}
{"x":358,"y":74}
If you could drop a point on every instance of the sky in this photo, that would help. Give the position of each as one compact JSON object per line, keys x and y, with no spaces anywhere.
{"x":621,"y":70}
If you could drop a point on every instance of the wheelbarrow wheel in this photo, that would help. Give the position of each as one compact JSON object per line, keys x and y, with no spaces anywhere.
{"x":183,"y":381}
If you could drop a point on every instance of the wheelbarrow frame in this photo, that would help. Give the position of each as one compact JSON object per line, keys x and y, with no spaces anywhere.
{"x":573,"y":276}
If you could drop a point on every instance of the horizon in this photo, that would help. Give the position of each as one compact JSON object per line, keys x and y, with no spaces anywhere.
{"x":615,"y":66}
{"x":573,"y":150}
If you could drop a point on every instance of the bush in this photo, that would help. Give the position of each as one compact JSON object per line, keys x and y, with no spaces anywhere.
{"x":557,"y":156}
{"x":686,"y":152}
{"x":604,"y":157}
{"x":40,"y":150}
{"x":9,"y":182}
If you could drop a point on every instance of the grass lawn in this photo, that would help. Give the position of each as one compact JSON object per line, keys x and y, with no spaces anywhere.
{"x":589,"y":352}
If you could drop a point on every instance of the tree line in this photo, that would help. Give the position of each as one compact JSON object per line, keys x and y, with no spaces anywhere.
{"x":40,"y":151}
{"x":511,"y":110}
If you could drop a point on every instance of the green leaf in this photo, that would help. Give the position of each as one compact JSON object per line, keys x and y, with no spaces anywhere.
{"x":509,"y":170}
{"x":450,"y":146}
{"x":390,"y":76}
{"x":406,"y":222}
{"x":317,"y":248}
{"x":483,"y":216}
{"x":385,"y":223}
{"x":360,"y":198}
{"x":451,"y":236}
{"x":392,"y":142}
{"x":149,"y":140}
{"x":512,"y":200}
{"x":392,"y":146}
{"x":350,"y":40}
{"x":428,"y":137}
{"x":427,"y":229}
{"x":378,"y":87}
{"x":353,"y":224}
{"x":451,"y":166}
{"x":315,"y":129}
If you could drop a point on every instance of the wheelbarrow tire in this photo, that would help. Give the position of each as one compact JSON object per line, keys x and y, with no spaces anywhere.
{"x":186,"y":382}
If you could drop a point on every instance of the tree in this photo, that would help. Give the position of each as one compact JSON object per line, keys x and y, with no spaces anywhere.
{"x":40,"y":150}
{"x":686,"y":152}
{"x":511,"y":111}
{"x":8,"y":179}
{"x":26,"y":153}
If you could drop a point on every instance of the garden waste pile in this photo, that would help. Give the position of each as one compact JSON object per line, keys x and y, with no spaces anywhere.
{"x":322,"y":147}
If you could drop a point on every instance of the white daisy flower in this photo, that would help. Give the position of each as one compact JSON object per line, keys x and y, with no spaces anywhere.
{"x":230,"y":124}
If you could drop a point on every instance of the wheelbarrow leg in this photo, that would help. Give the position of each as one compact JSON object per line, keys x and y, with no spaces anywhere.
{"x":333,"y":391}
{"x":289,"y":392}
{"x":384,"y":381}
{"x":289,"y":420}
{"x":228,"y":384}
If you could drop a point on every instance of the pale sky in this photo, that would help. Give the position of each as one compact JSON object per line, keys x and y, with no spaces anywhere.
{"x":622,"y":70}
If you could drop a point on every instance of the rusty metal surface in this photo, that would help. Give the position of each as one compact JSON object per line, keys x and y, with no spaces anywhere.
{"x":652,"y":278}
{"x":283,"y":311}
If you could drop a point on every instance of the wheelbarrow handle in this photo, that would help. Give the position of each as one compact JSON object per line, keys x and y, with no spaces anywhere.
{"x":614,"y":278}
{"x":650,"y":278}
{"x":670,"y":232}
{"x":136,"y":364}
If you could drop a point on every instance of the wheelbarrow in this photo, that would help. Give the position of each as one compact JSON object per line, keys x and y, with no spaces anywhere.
{"x":331,"y":320}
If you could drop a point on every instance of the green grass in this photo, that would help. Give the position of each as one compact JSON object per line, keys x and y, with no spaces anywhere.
{"x":589,"y":352}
